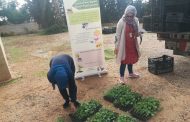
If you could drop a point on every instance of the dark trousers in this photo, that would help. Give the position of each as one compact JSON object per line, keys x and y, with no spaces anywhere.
{"x":122,"y":69}
{"x":72,"y":92}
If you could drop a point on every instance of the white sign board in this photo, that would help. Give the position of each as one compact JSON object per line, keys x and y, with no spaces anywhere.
{"x":85,"y":30}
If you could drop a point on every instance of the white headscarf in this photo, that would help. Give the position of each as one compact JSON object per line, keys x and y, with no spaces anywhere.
{"x":130,"y":9}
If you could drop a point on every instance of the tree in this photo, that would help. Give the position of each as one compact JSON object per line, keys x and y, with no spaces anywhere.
{"x":24,"y":11}
{"x":59,"y":12}
{"x":41,"y":11}
{"x":2,"y":2}
{"x":108,"y":10}
{"x":112,"y":10}
{"x":121,"y":6}
{"x":14,"y":15}
{"x":139,"y":6}
{"x":2,"y":6}
{"x":146,"y":8}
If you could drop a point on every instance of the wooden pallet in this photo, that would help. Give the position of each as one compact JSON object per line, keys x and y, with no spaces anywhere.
{"x":173,"y":36}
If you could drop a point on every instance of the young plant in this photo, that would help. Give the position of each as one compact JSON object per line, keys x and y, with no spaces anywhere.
{"x":126,"y":118}
{"x":127,"y":101}
{"x":146,"y":108}
{"x":116,"y":92}
{"x":86,"y":110}
{"x":104,"y":115}
{"x":60,"y":119}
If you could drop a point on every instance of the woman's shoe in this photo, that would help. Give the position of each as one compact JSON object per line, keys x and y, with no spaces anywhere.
{"x":77,"y":104}
{"x":133,"y":75}
{"x":121,"y":80}
{"x":66,"y":105}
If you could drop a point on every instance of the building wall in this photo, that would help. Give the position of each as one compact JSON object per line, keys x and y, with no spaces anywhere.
{"x":19,"y":28}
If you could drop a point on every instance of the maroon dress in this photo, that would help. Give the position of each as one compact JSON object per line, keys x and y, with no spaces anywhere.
{"x":131,"y":55}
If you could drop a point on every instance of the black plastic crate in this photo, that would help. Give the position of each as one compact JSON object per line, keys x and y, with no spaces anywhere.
{"x":108,"y":30}
{"x":175,"y":17}
{"x":161,"y":65}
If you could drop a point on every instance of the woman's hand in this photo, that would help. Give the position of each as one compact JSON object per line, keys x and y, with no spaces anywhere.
{"x":116,"y":51}
{"x":137,"y":34}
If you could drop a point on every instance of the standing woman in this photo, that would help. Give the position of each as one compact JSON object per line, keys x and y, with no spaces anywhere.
{"x":126,"y":45}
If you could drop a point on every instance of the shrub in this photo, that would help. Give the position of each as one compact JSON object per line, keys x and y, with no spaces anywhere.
{"x":54,"y":29}
{"x":85,"y":111}
{"x":146,"y":108}
{"x":5,"y":34}
{"x":126,"y":118}
{"x":104,"y":115}
{"x":116,"y":92}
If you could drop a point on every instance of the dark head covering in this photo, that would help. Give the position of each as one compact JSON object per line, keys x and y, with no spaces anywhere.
{"x":58,"y":75}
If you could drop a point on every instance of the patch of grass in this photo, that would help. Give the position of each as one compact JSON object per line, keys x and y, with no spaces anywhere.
{"x":9,"y":82}
{"x":16,"y":54}
{"x":60,"y":119}
{"x":109,"y":54}
{"x":40,"y":74}
{"x":66,"y":47}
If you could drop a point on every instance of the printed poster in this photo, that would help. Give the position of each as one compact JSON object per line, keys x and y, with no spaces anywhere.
{"x":85,"y":31}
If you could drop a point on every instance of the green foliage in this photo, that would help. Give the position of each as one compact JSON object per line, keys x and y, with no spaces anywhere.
{"x":41,"y":11}
{"x":86,"y":110}
{"x":116,"y":92}
{"x":54,"y":29}
{"x":146,"y":9}
{"x":126,"y":118}
{"x":121,"y":6}
{"x":48,"y":14}
{"x":60,"y":119}
{"x":104,"y":115}
{"x":59,"y":12}
{"x":146,"y":108}
{"x":1,"y":3}
{"x":15,"y":16}
{"x":109,"y":54}
{"x":112,"y":10}
{"x":139,"y":6}
{"x":127,"y":101}
{"x":7,"y":34}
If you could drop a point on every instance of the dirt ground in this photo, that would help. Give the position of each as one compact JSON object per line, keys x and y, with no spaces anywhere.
{"x":30,"y":98}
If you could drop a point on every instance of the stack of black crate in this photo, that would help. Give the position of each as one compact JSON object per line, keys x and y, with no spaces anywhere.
{"x":157,"y":15}
{"x":154,"y":22}
{"x":147,"y":23}
{"x":177,"y":15}
{"x":147,"y":20}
